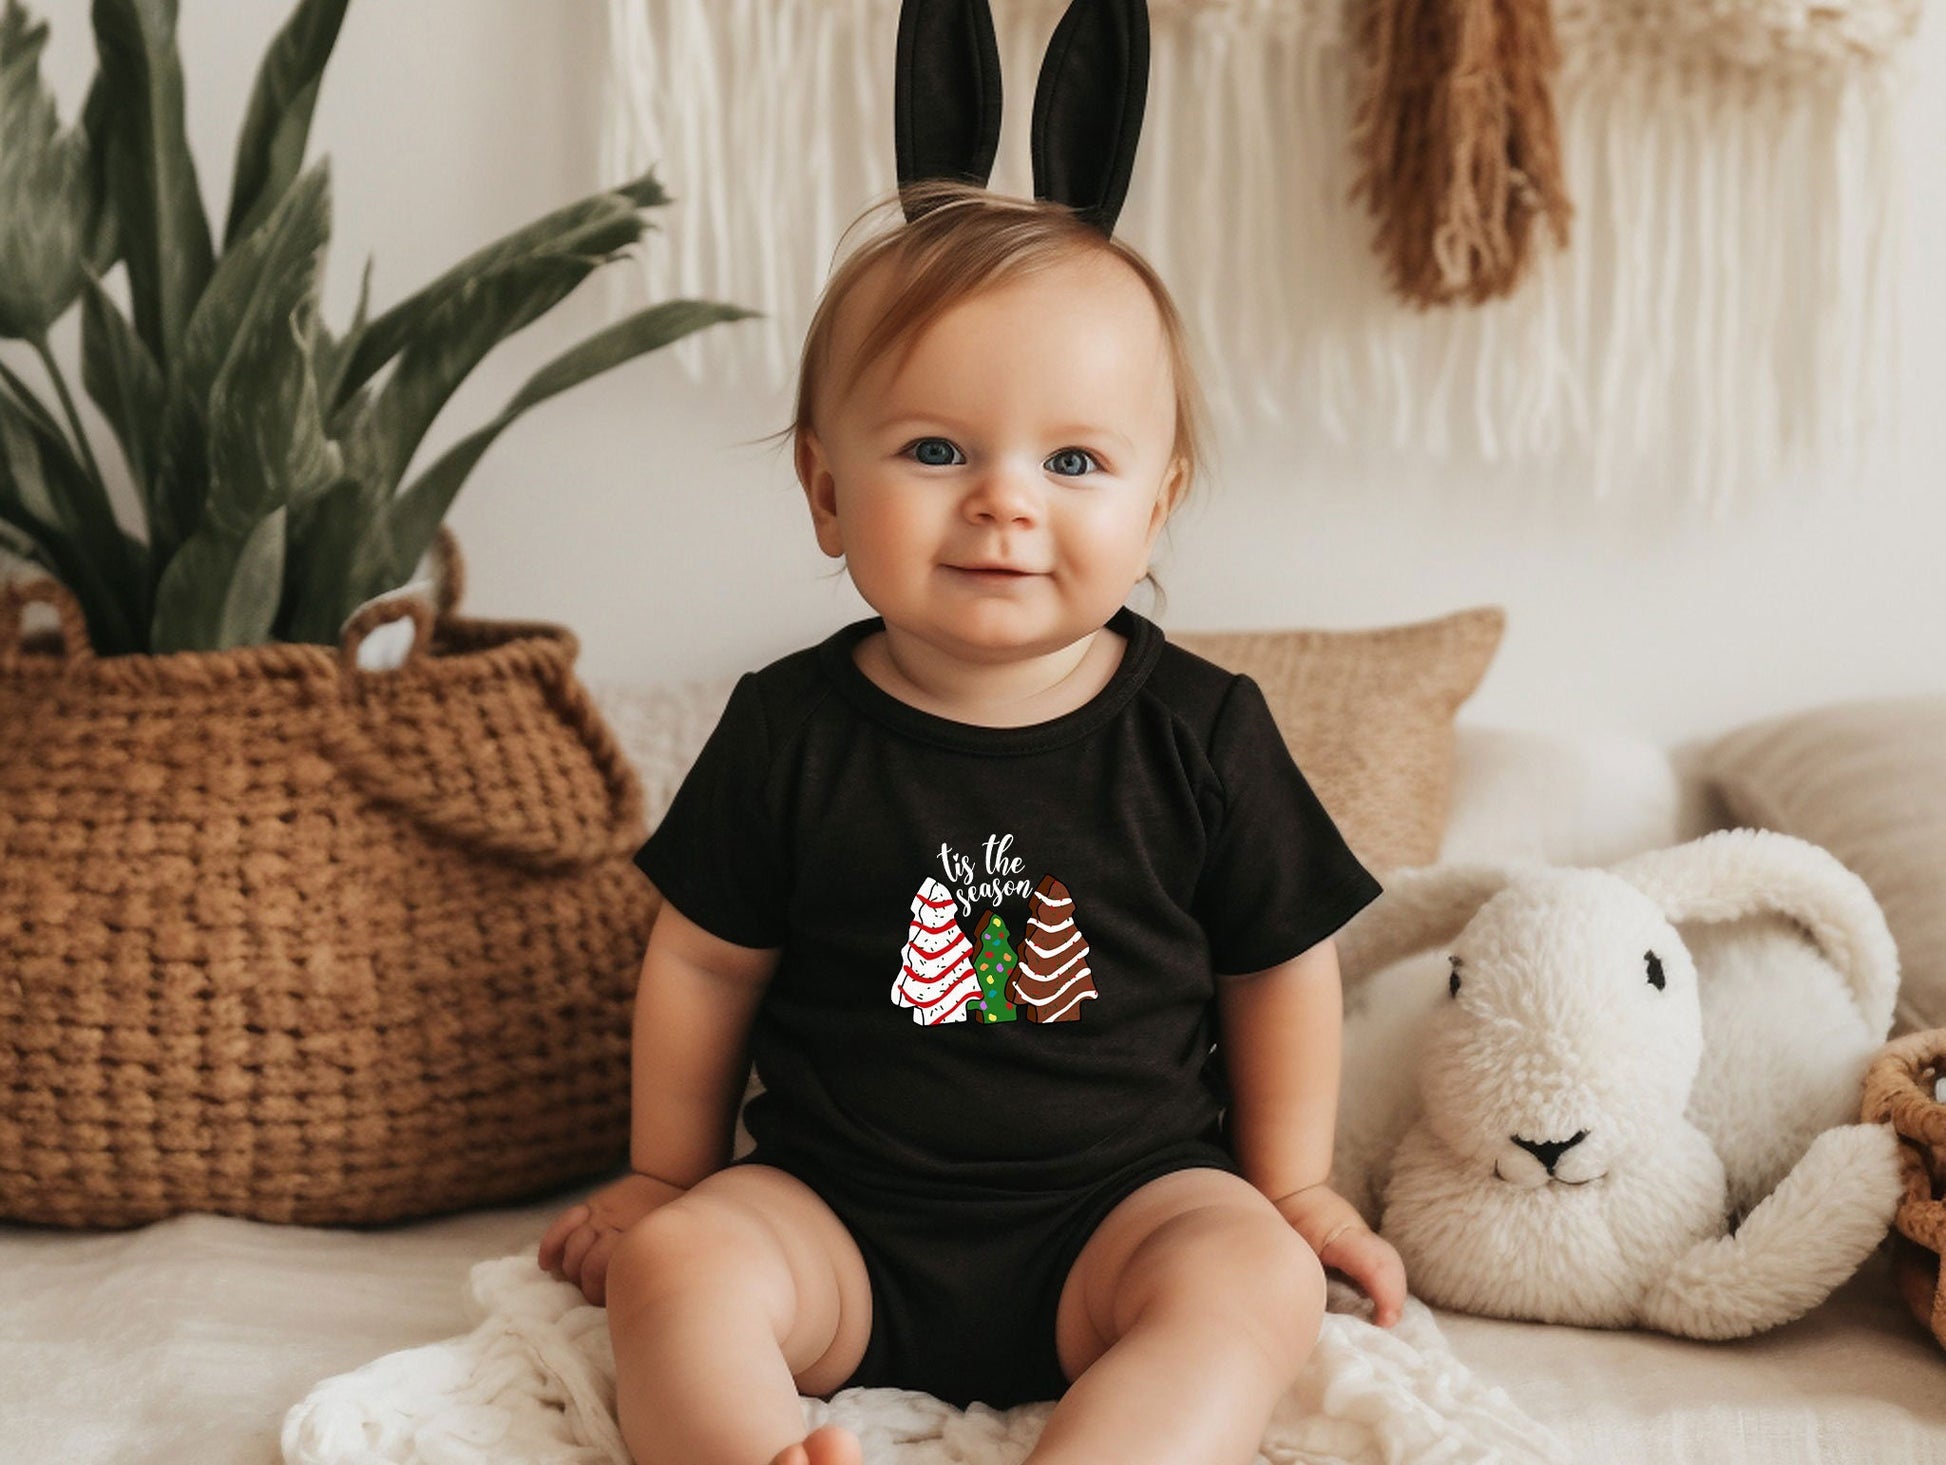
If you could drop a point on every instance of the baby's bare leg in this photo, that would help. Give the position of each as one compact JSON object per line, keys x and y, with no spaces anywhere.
{"x":723,"y":1307}
{"x":1183,"y":1321}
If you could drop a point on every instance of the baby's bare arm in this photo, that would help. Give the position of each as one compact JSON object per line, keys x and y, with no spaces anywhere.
{"x":1282,"y":1036}
{"x":693,"y":1009}
{"x":694,"y":1004}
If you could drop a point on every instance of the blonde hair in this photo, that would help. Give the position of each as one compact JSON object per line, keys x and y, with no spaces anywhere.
{"x":967,"y":239}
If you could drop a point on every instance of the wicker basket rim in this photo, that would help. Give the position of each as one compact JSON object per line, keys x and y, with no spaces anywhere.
{"x":461,"y":647}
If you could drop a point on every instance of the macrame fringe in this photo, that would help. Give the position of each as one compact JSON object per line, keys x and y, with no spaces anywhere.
{"x":1456,"y":142}
{"x":1722,"y":319}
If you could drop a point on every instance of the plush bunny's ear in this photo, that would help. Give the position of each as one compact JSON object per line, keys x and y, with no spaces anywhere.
{"x":1731,"y":873}
{"x":1421,"y":909}
{"x":1088,"y":105}
{"x":946,"y":93}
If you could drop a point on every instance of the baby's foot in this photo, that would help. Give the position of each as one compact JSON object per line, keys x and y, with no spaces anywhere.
{"x":828,"y":1444}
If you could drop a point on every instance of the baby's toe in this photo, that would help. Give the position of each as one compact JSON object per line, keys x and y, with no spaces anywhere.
{"x":833,"y":1444}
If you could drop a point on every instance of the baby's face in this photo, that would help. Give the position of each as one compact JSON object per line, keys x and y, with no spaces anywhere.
{"x":1031,"y":427}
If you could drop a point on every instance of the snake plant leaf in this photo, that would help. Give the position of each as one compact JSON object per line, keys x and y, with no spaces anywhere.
{"x":152,"y":186}
{"x":251,"y":281}
{"x":20,"y":462}
{"x":452,"y":339}
{"x":49,"y":496}
{"x":221,"y":589}
{"x":335,"y":352}
{"x":122,"y":378}
{"x":340,"y":544}
{"x":266,"y":437}
{"x":28,"y":402}
{"x":415,"y":514}
{"x":644,"y":192}
{"x":267,"y":446}
{"x":225,"y":585}
{"x":601,"y":223}
{"x":181,"y":479}
{"x":266,"y":442}
{"x":104,"y":241}
{"x":270,"y":149}
{"x":17,"y":542}
{"x":44,"y":188}
{"x":338,"y":558}
{"x":77,"y":500}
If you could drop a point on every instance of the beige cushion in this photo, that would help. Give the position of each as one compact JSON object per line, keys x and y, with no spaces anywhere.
{"x":1368,"y":715}
{"x":1867,"y":781}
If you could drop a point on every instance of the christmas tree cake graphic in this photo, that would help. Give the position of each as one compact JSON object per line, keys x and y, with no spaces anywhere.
{"x":936,"y":978}
{"x":994,"y":964}
{"x":1053,"y":978}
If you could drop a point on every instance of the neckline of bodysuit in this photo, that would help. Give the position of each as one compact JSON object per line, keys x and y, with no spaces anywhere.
{"x":1144,"y":640}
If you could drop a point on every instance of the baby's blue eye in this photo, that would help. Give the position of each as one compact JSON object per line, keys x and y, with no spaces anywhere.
{"x":925,"y":443}
{"x":1072,"y":453}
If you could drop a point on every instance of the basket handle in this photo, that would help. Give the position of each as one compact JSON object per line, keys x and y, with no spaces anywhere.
{"x":449,"y":582}
{"x":17,"y":595}
{"x":1895,"y":1092}
{"x":451,"y":570}
{"x":1892,"y":1092}
{"x":384,"y":612}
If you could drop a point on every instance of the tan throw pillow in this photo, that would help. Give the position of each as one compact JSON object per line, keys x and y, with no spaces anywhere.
{"x":1368,"y":715}
{"x":1867,"y":781}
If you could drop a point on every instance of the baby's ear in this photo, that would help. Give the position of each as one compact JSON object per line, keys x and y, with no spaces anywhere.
{"x":946,"y":93}
{"x":1174,"y":483}
{"x":1168,"y":495}
{"x":813,"y":475}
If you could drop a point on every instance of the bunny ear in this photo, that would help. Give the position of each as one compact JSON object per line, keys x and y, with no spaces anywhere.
{"x":946,"y":93}
{"x":1421,"y":909}
{"x":1731,"y":873}
{"x":1088,"y":105}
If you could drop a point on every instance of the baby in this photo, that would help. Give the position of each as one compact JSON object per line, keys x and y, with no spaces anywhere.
{"x":980,"y":881}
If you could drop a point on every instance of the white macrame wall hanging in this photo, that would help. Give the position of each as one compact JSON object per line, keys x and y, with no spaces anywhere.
{"x":1723,"y":314}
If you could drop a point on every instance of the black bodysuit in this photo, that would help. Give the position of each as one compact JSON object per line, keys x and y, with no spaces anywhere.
{"x":993,"y":1017}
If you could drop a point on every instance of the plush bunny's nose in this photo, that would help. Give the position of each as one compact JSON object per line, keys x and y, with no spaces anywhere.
{"x":1548,"y":1151}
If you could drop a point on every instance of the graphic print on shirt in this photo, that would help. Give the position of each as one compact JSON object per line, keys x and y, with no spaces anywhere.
{"x":935,"y":977}
{"x":1053,"y":979}
{"x":943,"y":977}
{"x":995,"y":964}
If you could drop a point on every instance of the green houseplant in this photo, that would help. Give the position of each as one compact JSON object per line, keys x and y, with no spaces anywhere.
{"x":269,"y":454}
{"x":284,"y":934}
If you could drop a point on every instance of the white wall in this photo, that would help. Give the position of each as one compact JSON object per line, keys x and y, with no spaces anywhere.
{"x":632,"y":511}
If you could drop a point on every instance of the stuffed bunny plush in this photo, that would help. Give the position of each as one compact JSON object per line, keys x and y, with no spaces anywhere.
{"x":1582,"y":1114}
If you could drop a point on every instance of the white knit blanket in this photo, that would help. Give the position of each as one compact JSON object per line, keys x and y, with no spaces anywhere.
{"x":534,"y":1384}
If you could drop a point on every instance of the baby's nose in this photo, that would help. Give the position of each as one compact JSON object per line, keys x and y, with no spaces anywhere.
{"x":1004,"y":495}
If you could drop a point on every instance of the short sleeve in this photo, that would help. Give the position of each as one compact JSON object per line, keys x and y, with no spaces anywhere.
{"x":718,"y":855}
{"x":1277,"y":877}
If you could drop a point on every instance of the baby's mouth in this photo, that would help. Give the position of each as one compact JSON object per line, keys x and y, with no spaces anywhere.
{"x":996,"y":577}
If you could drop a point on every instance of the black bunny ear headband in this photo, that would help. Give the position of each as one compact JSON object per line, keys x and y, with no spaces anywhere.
{"x":1088,"y":102}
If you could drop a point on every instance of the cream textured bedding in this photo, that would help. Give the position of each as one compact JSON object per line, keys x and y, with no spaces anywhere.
{"x":535,"y":1381}
{"x":186,"y":1343}
{"x":190,"y":1340}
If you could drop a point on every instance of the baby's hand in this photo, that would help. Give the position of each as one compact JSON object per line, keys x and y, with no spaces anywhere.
{"x":577,"y":1246}
{"x":1340,"y":1237}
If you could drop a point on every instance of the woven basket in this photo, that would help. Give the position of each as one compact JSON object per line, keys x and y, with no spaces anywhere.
{"x":288,"y":939}
{"x":1899,"y":1090}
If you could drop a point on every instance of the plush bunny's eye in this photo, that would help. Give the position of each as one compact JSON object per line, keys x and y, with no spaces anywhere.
{"x":1453,"y":981}
{"x":1655,"y":970}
